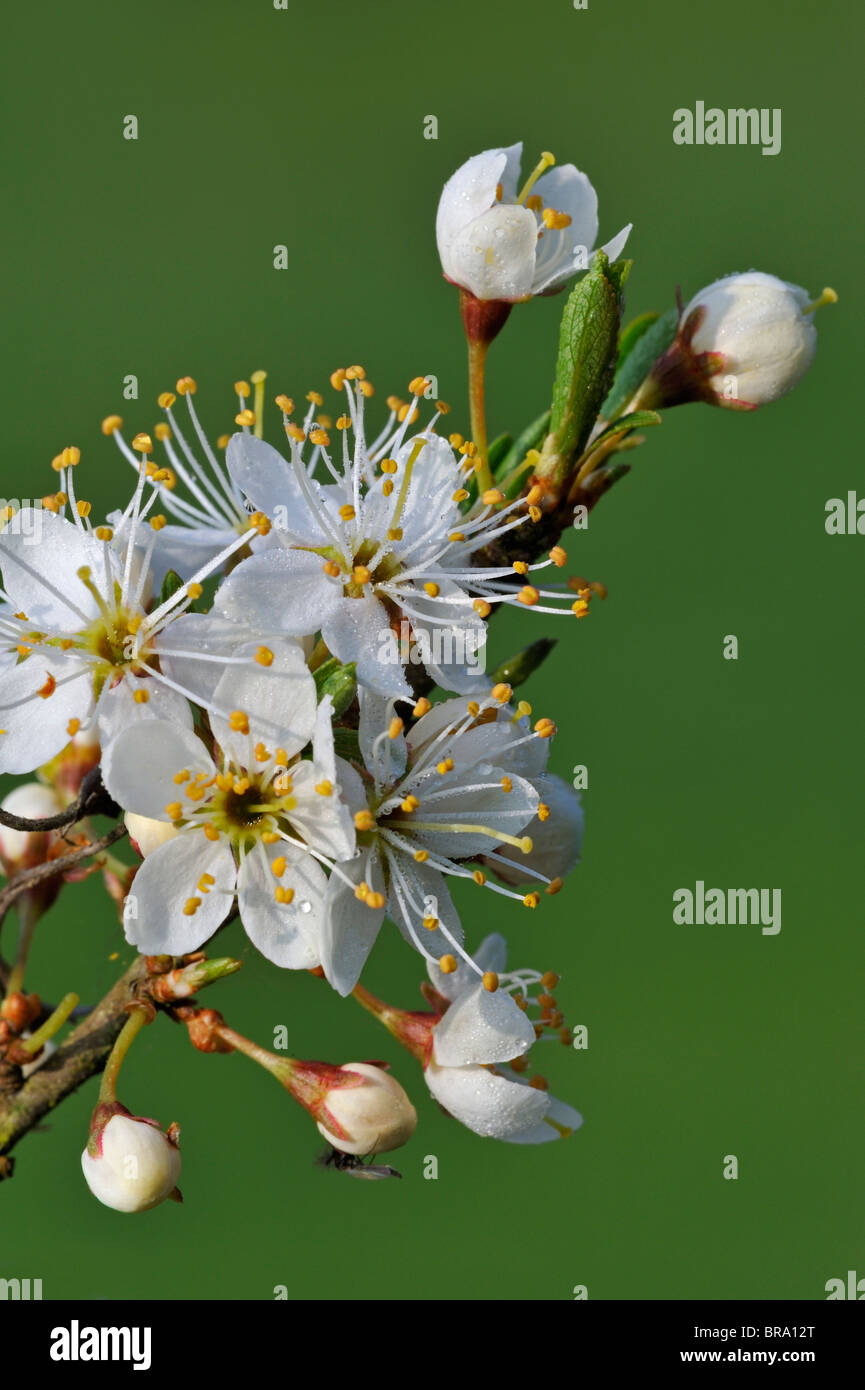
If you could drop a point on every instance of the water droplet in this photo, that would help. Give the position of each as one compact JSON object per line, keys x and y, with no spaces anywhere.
{"x":305,"y":906}
{"x":485,"y":769}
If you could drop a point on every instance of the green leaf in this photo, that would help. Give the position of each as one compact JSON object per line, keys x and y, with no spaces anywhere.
{"x":637,"y":420}
{"x":498,"y":450}
{"x":532,"y":437}
{"x":588,"y":343}
{"x":170,"y":584}
{"x":631,"y":335}
{"x":338,"y":681}
{"x":636,"y":366}
{"x":346,"y":744}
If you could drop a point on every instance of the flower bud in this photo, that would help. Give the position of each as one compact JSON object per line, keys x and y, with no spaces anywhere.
{"x":147,"y":834}
{"x":742,"y":342}
{"x":130,"y":1163}
{"x":375,"y":1117}
{"x":24,"y":849}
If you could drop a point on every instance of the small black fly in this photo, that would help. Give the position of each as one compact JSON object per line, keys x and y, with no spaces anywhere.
{"x":355,"y":1166}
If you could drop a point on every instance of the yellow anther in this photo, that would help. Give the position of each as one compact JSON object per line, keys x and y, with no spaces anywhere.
{"x":83,"y":508}
{"x":355,"y":372}
{"x":479,"y":877}
{"x":157,"y":522}
{"x":262,"y":753}
{"x":238,"y":721}
{"x":374,"y":900}
{"x":558,"y":556}
{"x":182,"y":776}
{"x":481,"y":607}
{"x":260,"y":523}
{"x":283,"y":895}
{"x":315,"y":397}
{"x":549,"y":979}
{"x":205,"y":883}
{"x":347,"y":512}
{"x":191,"y":906}
{"x":456,"y":440}
{"x":280,"y":757}
{"x":224,"y":781}
{"x":460,"y":495}
{"x":580,"y":608}
{"x":71,"y":457}
{"x":194,"y":591}
{"x":245,"y":417}
{"x":242,"y":388}
{"x":393,"y":403}
{"x":492,"y":497}
{"x":531,"y":900}
{"x":111,"y":423}
{"x":410,"y":804}
{"x":141,"y":697}
{"x":186,"y":386}
{"x":545,"y":728}
{"x":264,"y":656}
{"x":295,"y":432}
{"x":285,"y":403}
{"x":279,"y":866}
{"x":432,"y":589}
{"x":520,"y":567}
{"x":418,"y":385}
{"x":446,"y":765}
{"x":473,"y":708}
{"x":211,"y":831}
{"x":364,"y":820}
{"x":324,"y":788}
{"x":241,"y":786}
{"x":387,"y":487}
{"x":395,"y":727}
{"x":491,"y":981}
{"x":456,"y":536}
{"x":555,"y":221}
{"x":430,"y":923}
{"x":48,"y":688}
{"x":389,"y":465}
{"x":534,"y":495}
{"x":422,"y":707}
{"x":421,"y":856}
{"x":543,"y":811}
{"x":162,"y":432}
{"x":539,"y":1083}
{"x":143,"y":444}
{"x":166,"y":400}
{"x":506,"y":784}
{"x":337,"y":378}
{"x":319,"y":437}
{"x":361,"y":575}
{"x":554,"y":886}
{"x":535,"y":514}
{"x":443,"y":408}
{"x":447,"y":964}
{"x":174,"y":810}
{"x":366,"y":388}
{"x":332,"y":568}
{"x":534,"y":202}
{"x":528,"y":595}
{"x":502,"y":692}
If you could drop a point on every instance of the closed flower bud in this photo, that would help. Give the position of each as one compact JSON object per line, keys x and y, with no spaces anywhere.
{"x":24,"y":849}
{"x":130,"y":1163}
{"x":375,"y":1117}
{"x":148,"y":834}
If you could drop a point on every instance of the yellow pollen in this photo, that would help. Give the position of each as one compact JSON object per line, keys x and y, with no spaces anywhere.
{"x":211,"y":832}
{"x":387,"y":487}
{"x":395,"y":727}
{"x":143,"y":444}
{"x":111,"y":423}
{"x":245,"y":417}
{"x":430,"y":923}
{"x":205,"y":883}
{"x":48,"y":688}
{"x":421,"y":856}
{"x":481,"y":607}
{"x":285,"y":403}
{"x":186,"y":386}
{"x":555,"y":221}
{"x":492,"y":497}
{"x":558,"y":556}
{"x":280,"y":757}
{"x":502,"y":692}
{"x":456,"y":536}
{"x":531,"y":900}
{"x":269,"y":837}
{"x":166,"y":400}
{"x":191,"y":906}
{"x":315,"y":397}
{"x":543,"y":811}
{"x":446,"y":765}
{"x":72,"y":727}
{"x":157,"y":522}
{"x":479,"y":877}
{"x":324,"y":788}
{"x":394,"y":532}
{"x":432,"y":589}
{"x":242,"y":388}
{"x":545,"y":728}
{"x":534,"y":203}
{"x":554,"y":886}
{"x":528,"y":595}
{"x":194,"y":591}
{"x":295,"y":432}
{"x":447,"y":965}
{"x":347,"y":513}
{"x":520,"y":567}
{"x":361,"y":575}
{"x":264,"y":656}
{"x":507,"y":784}
{"x":262,"y":754}
{"x":491,"y":981}
{"x":499,"y":192}
{"x":374,"y":900}
{"x":163,"y":432}
{"x":283,"y":895}
{"x":279,"y":866}
{"x":337,"y":378}
{"x":364,"y":820}
{"x":456,"y":440}
{"x":422,"y":706}
{"x":174,"y":810}
{"x":410,"y":804}
{"x":182,"y":776}
{"x":240,"y":788}
{"x":238,"y":721}
{"x":460,"y":495}
{"x":141,"y":697}
{"x":330,"y":567}
{"x":580,"y":608}
{"x":320,"y":437}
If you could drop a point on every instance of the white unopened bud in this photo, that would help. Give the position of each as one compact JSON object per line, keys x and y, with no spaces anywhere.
{"x":23,"y":849}
{"x":131,"y":1164}
{"x":763,"y":329}
{"x":148,"y":834}
{"x":376,"y":1117}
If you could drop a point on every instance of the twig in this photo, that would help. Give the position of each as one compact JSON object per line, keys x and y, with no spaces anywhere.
{"x":92,"y":800}
{"x":28,"y":877}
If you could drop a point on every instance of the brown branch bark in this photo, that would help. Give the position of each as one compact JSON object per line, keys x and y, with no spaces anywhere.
{"x":93,"y":800}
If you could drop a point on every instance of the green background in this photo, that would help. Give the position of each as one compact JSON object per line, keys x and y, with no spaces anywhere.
{"x":305,"y":127}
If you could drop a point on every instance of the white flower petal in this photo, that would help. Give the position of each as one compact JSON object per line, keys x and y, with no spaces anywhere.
{"x":490,"y":955}
{"x":350,"y":928}
{"x":468,"y":193}
{"x":325,"y":822}
{"x":556,"y":842}
{"x":482,"y":1026}
{"x":358,"y":630}
{"x":559,"y":1122}
{"x":154,"y":919}
{"x":491,"y":1105}
{"x":286,"y":933}
{"x":272,"y":486}
{"x":279,"y":701}
{"x":35,"y":728}
{"x":140,"y":764}
{"x":118,"y":707}
{"x":40,"y":556}
{"x":279,"y":591}
{"x":494,"y":256}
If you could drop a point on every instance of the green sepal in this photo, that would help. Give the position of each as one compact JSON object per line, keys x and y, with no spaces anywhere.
{"x":170,"y":584}
{"x":532,"y":437}
{"x":517,"y":669}
{"x":346,"y":744}
{"x":498,"y":450}
{"x":588,"y":343}
{"x":637,"y":420}
{"x":338,"y":681}
{"x":632,"y":333}
{"x":634,"y":369}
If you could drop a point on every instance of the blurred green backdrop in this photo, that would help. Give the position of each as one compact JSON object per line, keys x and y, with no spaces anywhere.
{"x":305,"y":127}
